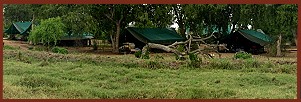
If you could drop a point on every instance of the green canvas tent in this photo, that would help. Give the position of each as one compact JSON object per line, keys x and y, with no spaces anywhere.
{"x":153,"y":35}
{"x":256,"y":37}
{"x":141,"y":36}
{"x":22,"y":28}
{"x":76,"y":40}
{"x":247,"y":40}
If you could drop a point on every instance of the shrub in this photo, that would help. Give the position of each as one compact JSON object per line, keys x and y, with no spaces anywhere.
{"x":95,"y":46}
{"x":138,"y":54}
{"x":48,"y":32}
{"x":181,"y":48}
{"x":146,"y":55}
{"x":242,"y":55}
{"x":194,"y":60}
{"x":59,"y":50}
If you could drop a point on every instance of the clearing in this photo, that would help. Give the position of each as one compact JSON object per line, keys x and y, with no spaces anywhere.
{"x":84,"y":74}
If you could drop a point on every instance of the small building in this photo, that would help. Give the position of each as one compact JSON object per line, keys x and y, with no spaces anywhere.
{"x":142,"y":36}
{"x":247,"y":40}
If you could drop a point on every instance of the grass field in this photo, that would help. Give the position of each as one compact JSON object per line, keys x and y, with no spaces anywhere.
{"x":38,"y":74}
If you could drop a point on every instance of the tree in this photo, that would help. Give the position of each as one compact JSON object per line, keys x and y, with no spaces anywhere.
{"x":111,"y":19}
{"x":16,"y":13}
{"x":180,"y":17}
{"x":153,"y":15}
{"x":48,"y":32}
{"x":279,"y":21}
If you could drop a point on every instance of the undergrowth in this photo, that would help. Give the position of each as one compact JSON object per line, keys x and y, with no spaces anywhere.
{"x":39,"y":74}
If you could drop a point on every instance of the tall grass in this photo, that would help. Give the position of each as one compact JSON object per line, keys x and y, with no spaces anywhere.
{"x":124,"y":76}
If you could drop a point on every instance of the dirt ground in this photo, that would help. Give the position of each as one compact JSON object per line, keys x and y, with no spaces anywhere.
{"x":25,"y":46}
{"x":107,"y":51}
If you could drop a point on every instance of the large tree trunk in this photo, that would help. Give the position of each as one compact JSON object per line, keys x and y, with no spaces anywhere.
{"x":116,"y":43}
{"x":278,"y":47}
{"x":295,"y":36}
{"x":112,"y":40}
{"x":162,"y":47}
{"x":296,"y":42}
{"x":182,"y":29}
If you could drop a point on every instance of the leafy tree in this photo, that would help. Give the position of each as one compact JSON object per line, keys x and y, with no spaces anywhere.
{"x":48,"y":32}
{"x":16,"y":12}
{"x":113,"y":18}
{"x":180,"y":17}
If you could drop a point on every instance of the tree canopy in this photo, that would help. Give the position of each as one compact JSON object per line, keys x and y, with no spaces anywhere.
{"x":48,"y":32}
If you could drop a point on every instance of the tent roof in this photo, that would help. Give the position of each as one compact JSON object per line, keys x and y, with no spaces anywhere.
{"x":256,"y":37}
{"x":155,"y":35}
{"x":19,"y":28}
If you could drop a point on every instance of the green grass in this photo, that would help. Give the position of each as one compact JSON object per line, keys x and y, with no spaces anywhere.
{"x":7,"y":47}
{"x":124,"y":76}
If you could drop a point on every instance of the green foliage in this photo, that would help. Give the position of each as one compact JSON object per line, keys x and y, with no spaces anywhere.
{"x":7,"y":47}
{"x":48,"y":32}
{"x":138,"y":54}
{"x":60,"y":50}
{"x":146,"y":55}
{"x":181,"y":48}
{"x":95,"y":46}
{"x":242,"y":55}
{"x":194,"y":60}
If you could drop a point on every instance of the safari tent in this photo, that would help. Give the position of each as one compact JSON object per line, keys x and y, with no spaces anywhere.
{"x":247,"y":40}
{"x":22,"y":28}
{"x":141,"y":36}
{"x":19,"y":28}
{"x":76,"y":40}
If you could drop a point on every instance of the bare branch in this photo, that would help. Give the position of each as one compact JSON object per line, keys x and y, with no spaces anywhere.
{"x":212,"y":35}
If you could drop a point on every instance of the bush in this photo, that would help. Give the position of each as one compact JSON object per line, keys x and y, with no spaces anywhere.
{"x":146,"y":55}
{"x":194,"y":60}
{"x":95,"y":46}
{"x":48,"y":32}
{"x":242,"y":55}
{"x":138,"y":54}
{"x":181,"y":48}
{"x":59,"y":50}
